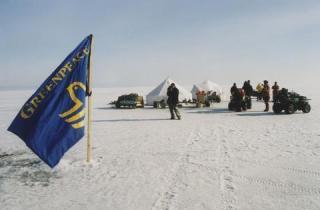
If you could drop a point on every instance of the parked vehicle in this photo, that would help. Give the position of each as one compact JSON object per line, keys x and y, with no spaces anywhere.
{"x":207,"y":98}
{"x":237,"y":102}
{"x":290,"y":102}
{"x":132,"y":101}
{"x":160,"y":104}
{"x":212,"y":97}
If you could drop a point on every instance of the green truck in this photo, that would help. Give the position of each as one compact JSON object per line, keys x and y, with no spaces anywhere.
{"x":131,"y":101}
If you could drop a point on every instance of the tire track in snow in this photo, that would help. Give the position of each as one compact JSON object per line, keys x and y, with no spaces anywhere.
{"x":227,"y":188}
{"x":305,"y":172}
{"x":282,"y":186}
{"x":166,"y":198}
{"x":301,"y":171}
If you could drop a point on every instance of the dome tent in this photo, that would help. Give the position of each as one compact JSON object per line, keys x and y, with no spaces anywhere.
{"x":160,"y":92}
{"x":206,"y":86}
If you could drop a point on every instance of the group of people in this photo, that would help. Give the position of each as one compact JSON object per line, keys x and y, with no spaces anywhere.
{"x":247,"y":91}
{"x":262,"y":91}
{"x":275,"y":90}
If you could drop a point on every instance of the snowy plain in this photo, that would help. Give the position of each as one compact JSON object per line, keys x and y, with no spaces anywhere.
{"x":211,"y":159}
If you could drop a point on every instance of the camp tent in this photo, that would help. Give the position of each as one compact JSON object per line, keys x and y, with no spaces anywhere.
{"x":160,"y":92}
{"x":206,"y":86}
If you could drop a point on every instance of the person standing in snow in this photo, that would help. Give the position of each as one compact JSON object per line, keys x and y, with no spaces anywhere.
{"x":234,"y":89}
{"x":275,"y":91}
{"x":173,"y":100}
{"x":266,"y":94}
{"x":235,"y":93}
{"x":259,"y":89}
{"x":248,"y":90}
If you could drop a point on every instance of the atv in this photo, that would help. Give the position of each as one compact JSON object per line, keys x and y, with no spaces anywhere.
{"x":213,"y":97}
{"x":290,"y":102}
{"x":237,"y":102}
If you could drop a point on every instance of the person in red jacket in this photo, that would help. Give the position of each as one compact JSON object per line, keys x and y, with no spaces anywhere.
{"x":266,"y":94}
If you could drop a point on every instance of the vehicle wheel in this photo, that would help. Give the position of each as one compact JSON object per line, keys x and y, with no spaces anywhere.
{"x":306,"y":108}
{"x":156,"y":105}
{"x":249,"y":104}
{"x":243,"y":106}
{"x":230,"y":106}
{"x":290,"y":109}
{"x":117,"y":105}
{"x":277,"y":109}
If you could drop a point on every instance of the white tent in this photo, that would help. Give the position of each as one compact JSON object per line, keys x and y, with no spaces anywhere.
{"x":160,"y":92}
{"x":206,"y":86}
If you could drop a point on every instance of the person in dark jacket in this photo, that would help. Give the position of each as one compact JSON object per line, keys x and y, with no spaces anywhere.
{"x":173,"y":100}
{"x":233,"y":89}
{"x":236,"y":98}
{"x":275,"y":91}
{"x":266,"y":94}
{"x":248,"y":90}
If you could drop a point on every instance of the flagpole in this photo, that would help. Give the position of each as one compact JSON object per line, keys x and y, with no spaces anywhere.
{"x":89,"y":127}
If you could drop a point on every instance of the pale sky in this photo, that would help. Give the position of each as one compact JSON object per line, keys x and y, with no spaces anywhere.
{"x":141,"y":42}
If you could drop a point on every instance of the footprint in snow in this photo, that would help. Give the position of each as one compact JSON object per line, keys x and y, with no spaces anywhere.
{"x":228,"y":178}
{"x":229,"y":187}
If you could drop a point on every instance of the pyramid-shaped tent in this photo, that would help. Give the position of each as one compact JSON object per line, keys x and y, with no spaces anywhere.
{"x":206,"y":86}
{"x":160,"y":92}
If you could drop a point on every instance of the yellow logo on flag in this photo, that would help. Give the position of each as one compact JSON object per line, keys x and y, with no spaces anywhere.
{"x":70,"y":116}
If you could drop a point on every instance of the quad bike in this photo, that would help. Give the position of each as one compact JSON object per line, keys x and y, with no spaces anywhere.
{"x":290,"y":102}
{"x":237,"y":102}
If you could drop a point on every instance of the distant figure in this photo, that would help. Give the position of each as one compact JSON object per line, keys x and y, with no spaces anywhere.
{"x":248,"y":90}
{"x":234,"y":89}
{"x":259,"y":89}
{"x":173,"y":100}
{"x":236,"y":93}
{"x":266,"y":94}
{"x":236,"y":98}
{"x":275,"y":91}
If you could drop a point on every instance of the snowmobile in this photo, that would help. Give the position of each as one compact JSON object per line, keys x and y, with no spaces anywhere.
{"x":290,"y":102}
{"x":237,"y":102}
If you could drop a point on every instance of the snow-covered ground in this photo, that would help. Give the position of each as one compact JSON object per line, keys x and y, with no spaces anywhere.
{"x":211,"y":159}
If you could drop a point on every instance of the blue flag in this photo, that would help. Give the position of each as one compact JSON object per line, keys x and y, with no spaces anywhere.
{"x":52,"y":120}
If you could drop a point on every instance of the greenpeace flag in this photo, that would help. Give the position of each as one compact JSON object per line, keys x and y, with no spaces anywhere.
{"x":52,"y":120}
